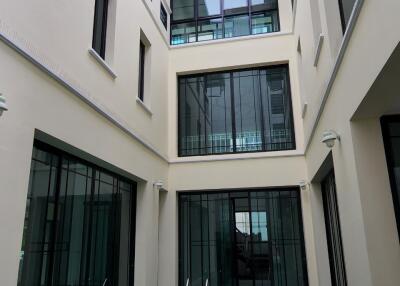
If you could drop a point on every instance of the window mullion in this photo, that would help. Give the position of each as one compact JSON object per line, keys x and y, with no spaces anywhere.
{"x":233,"y":113}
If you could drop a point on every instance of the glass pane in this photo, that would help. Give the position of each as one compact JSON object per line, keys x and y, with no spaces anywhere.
{"x":265,"y":22}
{"x":237,"y":26}
{"x":258,"y":5}
{"x":209,"y":8}
{"x":71,"y":231}
{"x":247,"y":111}
{"x":100,"y":26}
{"x":39,"y":221}
{"x":182,"y":9}
{"x":210,"y":30}
{"x":250,"y":239}
{"x":277,"y":110}
{"x":219,"y":138}
{"x":235,"y":6}
{"x":346,"y":7}
{"x":183,"y":33}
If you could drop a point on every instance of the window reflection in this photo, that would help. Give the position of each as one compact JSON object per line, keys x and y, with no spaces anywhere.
{"x":214,"y":19}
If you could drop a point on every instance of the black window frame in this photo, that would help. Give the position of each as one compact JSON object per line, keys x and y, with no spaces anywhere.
{"x":272,"y":7}
{"x":238,"y":193}
{"x":163,"y":16}
{"x":385,"y":121}
{"x":235,"y":151}
{"x":100,"y":33}
{"x":142,"y":59}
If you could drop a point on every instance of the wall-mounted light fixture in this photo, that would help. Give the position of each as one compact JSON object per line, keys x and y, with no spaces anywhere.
{"x":303,"y":185}
{"x":329,"y":138}
{"x":158,"y":185}
{"x":3,"y":104}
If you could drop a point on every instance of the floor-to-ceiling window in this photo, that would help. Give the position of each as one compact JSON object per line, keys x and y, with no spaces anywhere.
{"x":241,"y":238}
{"x":235,"y":111}
{"x":333,"y":232}
{"x":391,"y":136}
{"x":79,"y":224}
{"x":203,"y":20}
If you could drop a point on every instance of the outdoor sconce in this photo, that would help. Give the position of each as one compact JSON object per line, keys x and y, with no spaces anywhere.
{"x":329,"y":137}
{"x":158,"y":185}
{"x":303,"y":185}
{"x":3,"y":104}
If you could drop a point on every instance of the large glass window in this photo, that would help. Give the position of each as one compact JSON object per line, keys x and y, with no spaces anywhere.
{"x":221,"y":19}
{"x":241,"y":238}
{"x":79,"y":224}
{"x":237,"y":111}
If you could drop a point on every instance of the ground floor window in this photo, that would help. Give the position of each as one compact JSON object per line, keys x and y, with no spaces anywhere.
{"x":333,"y":232}
{"x":79,"y":224}
{"x":246,"y":238}
{"x":391,"y":137}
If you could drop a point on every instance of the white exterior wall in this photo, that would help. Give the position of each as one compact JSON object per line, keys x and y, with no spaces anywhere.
{"x":58,"y":34}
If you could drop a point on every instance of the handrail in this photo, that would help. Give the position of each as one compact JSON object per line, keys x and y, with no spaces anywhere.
{"x":105,"y":281}
{"x":187,"y":282}
{"x":207,"y":282}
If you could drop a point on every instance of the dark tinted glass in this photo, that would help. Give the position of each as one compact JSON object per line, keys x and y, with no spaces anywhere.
{"x":346,"y":8}
{"x":100,"y":27}
{"x":142,"y":57}
{"x":182,"y":9}
{"x":240,"y":111}
{"x":391,"y":136}
{"x":243,"y":238}
{"x":75,"y":216}
{"x":163,"y":16}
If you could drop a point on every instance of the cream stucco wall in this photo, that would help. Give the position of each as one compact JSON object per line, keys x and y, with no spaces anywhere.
{"x":368,"y":225}
{"x":57,"y":35}
{"x":120,"y":134}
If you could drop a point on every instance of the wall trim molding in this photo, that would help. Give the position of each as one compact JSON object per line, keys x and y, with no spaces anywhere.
{"x":339,"y":59}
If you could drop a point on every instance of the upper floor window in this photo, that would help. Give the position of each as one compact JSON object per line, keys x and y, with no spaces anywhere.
{"x":235,"y":111}
{"x":201,"y":20}
{"x":100,"y":27}
{"x":142,"y":56}
{"x":346,"y":8}
{"x":163,"y":16}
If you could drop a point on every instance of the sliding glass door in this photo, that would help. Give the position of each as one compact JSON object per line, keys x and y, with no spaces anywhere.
{"x":79,"y":224}
{"x":241,"y":238}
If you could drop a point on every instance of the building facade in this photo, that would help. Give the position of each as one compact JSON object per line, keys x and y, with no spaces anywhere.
{"x":200,"y":142}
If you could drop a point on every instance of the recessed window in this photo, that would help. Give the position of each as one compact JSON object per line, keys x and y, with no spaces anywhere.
{"x":346,"y":8}
{"x":333,"y":232}
{"x":142,"y":58}
{"x":391,"y":138}
{"x":79,"y":224}
{"x":201,"y":20}
{"x":100,"y":27}
{"x":241,"y":238}
{"x":163,"y":16}
{"x":235,"y":111}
